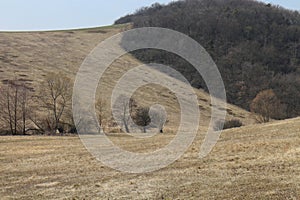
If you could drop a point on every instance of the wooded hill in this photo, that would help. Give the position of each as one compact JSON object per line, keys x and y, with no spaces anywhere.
{"x":256,"y":46}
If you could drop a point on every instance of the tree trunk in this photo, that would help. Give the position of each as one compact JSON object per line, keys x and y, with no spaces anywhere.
{"x":126,"y":126}
{"x":15,"y":110}
{"x":9,"y":112}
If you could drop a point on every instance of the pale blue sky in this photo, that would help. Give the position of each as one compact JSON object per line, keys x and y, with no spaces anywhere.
{"x":66,"y":14}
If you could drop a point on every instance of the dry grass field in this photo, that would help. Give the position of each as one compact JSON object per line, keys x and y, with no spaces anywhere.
{"x":252,"y":162}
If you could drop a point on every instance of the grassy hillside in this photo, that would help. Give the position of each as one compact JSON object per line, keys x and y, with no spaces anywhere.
{"x":254,"y":162}
{"x":30,"y":56}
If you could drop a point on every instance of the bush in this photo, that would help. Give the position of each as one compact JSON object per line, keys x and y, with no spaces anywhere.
{"x":267,"y":105}
{"x":233,"y":123}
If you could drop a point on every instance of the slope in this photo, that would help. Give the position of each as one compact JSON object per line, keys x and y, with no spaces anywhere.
{"x":30,"y":56}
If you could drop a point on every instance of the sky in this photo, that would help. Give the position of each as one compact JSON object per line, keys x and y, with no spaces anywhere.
{"x":29,"y":15}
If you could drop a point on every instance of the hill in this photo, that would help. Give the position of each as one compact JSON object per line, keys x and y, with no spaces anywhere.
{"x":254,"y":162}
{"x":30,"y":56}
{"x":255,"y":45}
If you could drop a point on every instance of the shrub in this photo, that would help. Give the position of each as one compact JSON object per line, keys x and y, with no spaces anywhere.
{"x":267,"y":105}
{"x":233,"y":123}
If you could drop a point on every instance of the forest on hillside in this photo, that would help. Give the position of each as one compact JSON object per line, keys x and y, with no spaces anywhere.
{"x":256,"y":46}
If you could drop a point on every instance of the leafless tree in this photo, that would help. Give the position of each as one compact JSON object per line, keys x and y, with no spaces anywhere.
{"x":125,"y":109}
{"x":267,"y":105}
{"x":102,"y":113}
{"x":6,"y":107}
{"x":14,"y":106}
{"x":55,"y":97}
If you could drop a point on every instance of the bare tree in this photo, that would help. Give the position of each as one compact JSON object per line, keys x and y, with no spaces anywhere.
{"x":55,"y":96}
{"x":6,"y":108}
{"x":124,"y":108}
{"x":14,"y":106}
{"x":25,"y":99}
{"x":267,"y":105}
{"x":102,"y":114}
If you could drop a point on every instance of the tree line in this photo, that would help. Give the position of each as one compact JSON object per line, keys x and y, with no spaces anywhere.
{"x":45,"y":110}
{"x":255,"y":45}
{"x":48,"y":109}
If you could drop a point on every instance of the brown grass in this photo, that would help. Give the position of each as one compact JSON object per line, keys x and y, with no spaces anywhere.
{"x":257,"y":161}
{"x":254,"y":162}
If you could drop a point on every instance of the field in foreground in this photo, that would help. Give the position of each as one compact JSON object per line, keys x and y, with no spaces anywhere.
{"x":253,"y":162}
